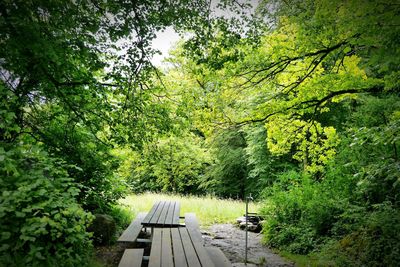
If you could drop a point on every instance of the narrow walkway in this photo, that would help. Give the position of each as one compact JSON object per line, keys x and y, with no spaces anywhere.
{"x":230,"y":240}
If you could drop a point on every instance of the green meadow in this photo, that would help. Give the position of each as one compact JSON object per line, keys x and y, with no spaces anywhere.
{"x":208,"y":209}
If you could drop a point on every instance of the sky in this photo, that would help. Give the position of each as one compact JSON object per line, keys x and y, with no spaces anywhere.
{"x":166,"y":39}
{"x":164,"y":42}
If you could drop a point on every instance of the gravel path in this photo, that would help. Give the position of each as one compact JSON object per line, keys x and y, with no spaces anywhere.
{"x":231,"y":240}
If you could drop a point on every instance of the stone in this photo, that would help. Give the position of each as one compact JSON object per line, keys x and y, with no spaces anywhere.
{"x":103,"y":228}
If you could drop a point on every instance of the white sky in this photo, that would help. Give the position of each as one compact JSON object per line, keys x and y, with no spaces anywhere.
{"x":166,"y":39}
{"x":164,"y":42}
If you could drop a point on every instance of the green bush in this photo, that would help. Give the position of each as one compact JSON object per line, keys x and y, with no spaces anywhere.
{"x":41,"y":223}
{"x":375,"y":240}
{"x":299,"y":214}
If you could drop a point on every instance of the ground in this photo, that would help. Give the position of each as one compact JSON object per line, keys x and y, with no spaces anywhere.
{"x":231,"y":240}
{"x":227,"y":237}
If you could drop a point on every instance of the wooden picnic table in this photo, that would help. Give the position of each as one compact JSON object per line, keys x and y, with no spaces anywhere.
{"x":163,"y":214}
{"x":170,"y":245}
{"x":178,"y":247}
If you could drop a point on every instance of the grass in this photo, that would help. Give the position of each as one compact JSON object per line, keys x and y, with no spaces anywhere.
{"x":209,"y":210}
{"x":311,"y":260}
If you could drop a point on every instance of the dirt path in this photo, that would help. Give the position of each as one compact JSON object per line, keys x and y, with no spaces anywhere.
{"x":231,"y":240}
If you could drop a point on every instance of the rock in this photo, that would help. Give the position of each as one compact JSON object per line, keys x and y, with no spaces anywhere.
{"x":103,"y":228}
{"x":254,"y":223}
{"x":250,"y":226}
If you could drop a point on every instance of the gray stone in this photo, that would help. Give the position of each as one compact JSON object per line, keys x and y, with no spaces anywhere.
{"x":103,"y":228}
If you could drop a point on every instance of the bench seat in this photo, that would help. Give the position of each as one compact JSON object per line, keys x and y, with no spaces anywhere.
{"x":132,"y":258}
{"x":132,"y":232}
{"x":215,"y":254}
{"x":193,"y":227}
{"x":218,"y":257}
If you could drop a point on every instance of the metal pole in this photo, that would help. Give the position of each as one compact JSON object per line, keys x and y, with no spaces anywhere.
{"x":247,"y":227}
{"x":247,"y":211}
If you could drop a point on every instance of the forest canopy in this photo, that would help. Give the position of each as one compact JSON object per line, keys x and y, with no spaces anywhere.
{"x":294,"y":102}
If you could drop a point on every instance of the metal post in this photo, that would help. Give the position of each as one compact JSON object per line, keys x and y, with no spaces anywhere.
{"x":247,"y":227}
{"x":247,"y":211}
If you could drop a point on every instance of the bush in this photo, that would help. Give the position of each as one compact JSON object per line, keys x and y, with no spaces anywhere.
{"x":41,"y":223}
{"x":299,"y":214}
{"x":375,"y":241}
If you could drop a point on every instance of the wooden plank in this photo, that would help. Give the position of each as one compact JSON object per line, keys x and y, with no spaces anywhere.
{"x":191,"y":221}
{"x":177,"y":210}
{"x":190,"y":252}
{"x":150,"y":215}
{"x":157,"y":213}
{"x":132,"y":232}
{"x":131,"y":258}
{"x":166,"y":248}
{"x":193,"y":227}
{"x":155,"y":251}
{"x":218,"y":257}
{"x":179,"y":253}
{"x":163,"y":214}
{"x":170,"y":214}
{"x":202,"y":254}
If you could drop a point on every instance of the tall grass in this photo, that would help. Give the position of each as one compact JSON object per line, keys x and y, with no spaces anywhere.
{"x":208,"y":209}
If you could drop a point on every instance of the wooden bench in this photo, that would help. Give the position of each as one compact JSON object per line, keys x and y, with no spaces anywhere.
{"x":163,"y":214}
{"x":131,"y":233}
{"x":132,"y":258}
{"x":215,"y":254}
{"x":193,"y":227}
{"x":218,"y":257}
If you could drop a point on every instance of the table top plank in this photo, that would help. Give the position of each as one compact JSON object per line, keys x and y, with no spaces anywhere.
{"x":166,"y":248}
{"x":163,"y":214}
{"x":177,"y":209}
{"x":191,"y":255}
{"x":170,"y":214}
{"x":179,"y":253}
{"x":155,"y":255}
{"x":151,"y":213}
{"x":157,"y":213}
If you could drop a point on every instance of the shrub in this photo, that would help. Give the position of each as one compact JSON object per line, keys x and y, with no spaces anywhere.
{"x":41,"y":223}
{"x":299,"y":213}
{"x":375,"y":240}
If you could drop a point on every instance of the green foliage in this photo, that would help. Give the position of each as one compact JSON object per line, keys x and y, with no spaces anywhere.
{"x":263,"y":166}
{"x":123,"y":216}
{"x":374,"y":240}
{"x":228,"y":175}
{"x":300,"y":213}
{"x":170,"y":164}
{"x":42,"y":225}
{"x":351,"y":212}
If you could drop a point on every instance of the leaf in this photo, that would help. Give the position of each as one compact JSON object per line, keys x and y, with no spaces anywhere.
{"x":20,"y":214}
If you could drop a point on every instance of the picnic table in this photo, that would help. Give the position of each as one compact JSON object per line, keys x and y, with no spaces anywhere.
{"x":163,"y":214}
{"x":172,"y":244}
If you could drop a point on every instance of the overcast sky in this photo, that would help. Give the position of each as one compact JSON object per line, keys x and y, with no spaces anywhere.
{"x":166,"y":39}
{"x":164,"y":42}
